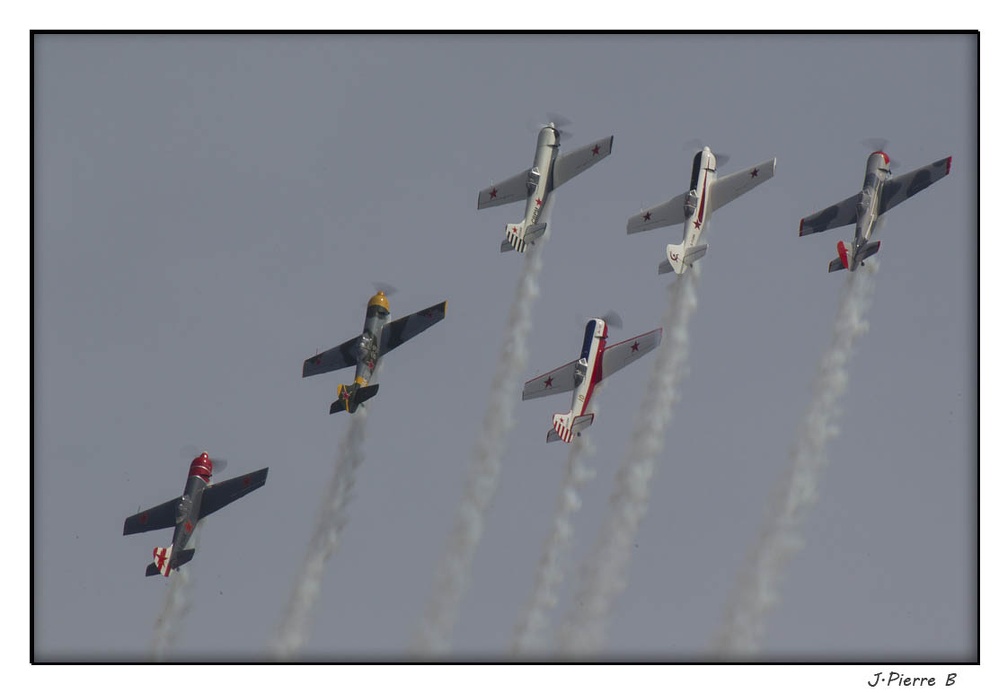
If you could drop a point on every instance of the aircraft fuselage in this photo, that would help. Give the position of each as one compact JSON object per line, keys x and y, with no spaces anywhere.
{"x":877,"y":171}
{"x":540,"y":180}
{"x":370,"y":340}
{"x":588,"y":370}
{"x":696,"y":207}
{"x":187,"y":513}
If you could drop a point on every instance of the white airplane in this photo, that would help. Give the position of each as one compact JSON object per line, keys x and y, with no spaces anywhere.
{"x":534,"y":185}
{"x":693,"y":208}
{"x":597,"y":362}
{"x":879,"y":194}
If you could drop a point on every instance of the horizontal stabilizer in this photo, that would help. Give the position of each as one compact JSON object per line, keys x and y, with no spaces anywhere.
{"x":678,"y":258}
{"x":162,"y":560}
{"x":835,"y":265}
{"x":349,"y":397}
{"x":518,"y":237}
{"x":868,"y":250}
{"x":565,"y":429}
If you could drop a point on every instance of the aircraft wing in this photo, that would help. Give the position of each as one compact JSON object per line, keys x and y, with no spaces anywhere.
{"x":618,"y":355}
{"x":840,"y":214}
{"x":332,"y":359}
{"x":897,"y":189}
{"x":408,"y":327}
{"x":574,"y":162}
{"x":216,"y":496}
{"x":511,"y":190}
{"x":665,"y":214}
{"x":158,"y":517}
{"x":731,"y":186}
{"x":557,"y":380}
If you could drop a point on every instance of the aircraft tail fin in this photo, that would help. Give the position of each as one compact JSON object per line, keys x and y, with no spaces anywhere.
{"x":349,"y":397}
{"x":677,"y":258}
{"x":518,"y":236}
{"x":565,"y":427}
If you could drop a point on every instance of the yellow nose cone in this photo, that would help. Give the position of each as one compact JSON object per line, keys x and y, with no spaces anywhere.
{"x":379,"y":300}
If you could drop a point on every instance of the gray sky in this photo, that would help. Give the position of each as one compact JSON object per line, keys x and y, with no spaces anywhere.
{"x":210,"y":210}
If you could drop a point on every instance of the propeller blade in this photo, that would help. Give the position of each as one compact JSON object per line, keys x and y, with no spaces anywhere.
{"x":386,"y":288}
{"x":692,"y":145}
{"x":876,"y":144}
{"x":191,"y":452}
{"x":559,"y":120}
{"x":613,"y":319}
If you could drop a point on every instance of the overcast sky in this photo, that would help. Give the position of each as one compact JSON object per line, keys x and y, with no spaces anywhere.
{"x":210,"y":210}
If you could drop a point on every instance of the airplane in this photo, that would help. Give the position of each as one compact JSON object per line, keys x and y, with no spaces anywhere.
{"x":549,"y":171}
{"x":693,"y":208}
{"x":597,"y":361}
{"x":378,"y":338}
{"x":879,"y":194}
{"x":199,"y":498}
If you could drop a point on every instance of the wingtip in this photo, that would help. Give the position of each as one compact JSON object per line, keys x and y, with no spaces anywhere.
{"x":801,"y":226}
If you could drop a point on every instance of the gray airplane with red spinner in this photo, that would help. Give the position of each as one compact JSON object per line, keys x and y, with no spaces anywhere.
{"x":199,"y":499}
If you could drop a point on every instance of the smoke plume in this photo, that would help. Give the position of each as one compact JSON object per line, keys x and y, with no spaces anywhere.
{"x":603,"y":577}
{"x":756,"y":592}
{"x":325,"y":539}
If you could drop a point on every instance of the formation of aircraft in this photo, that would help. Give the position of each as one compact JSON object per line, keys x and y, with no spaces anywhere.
{"x":199,"y":498}
{"x":378,"y":338}
{"x":549,"y":171}
{"x":694,"y":207}
{"x":597,"y":361}
{"x":879,"y":193}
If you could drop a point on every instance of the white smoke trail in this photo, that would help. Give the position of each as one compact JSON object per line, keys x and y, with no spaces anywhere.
{"x":603,"y":577}
{"x":530,"y":630}
{"x":452,"y":582}
{"x":176,"y":605}
{"x":325,"y":539}
{"x":755,"y":593}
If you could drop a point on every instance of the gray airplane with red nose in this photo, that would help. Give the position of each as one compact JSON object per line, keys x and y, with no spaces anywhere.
{"x":878,"y":195}
{"x":199,"y":499}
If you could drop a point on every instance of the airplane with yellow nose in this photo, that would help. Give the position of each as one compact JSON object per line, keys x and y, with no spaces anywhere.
{"x":378,"y":338}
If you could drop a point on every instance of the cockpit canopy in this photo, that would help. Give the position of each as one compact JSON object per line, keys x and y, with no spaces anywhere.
{"x":183,"y":508}
{"x":580,"y":370}
{"x":690,"y":205}
{"x":533,"y":179}
{"x":366,"y":347}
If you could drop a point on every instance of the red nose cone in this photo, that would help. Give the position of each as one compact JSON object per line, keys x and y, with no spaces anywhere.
{"x":884,"y":155}
{"x":201,"y":467}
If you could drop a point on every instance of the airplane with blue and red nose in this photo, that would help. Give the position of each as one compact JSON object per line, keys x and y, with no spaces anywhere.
{"x":549,"y":171}
{"x":693,"y":208}
{"x":199,"y":498}
{"x":879,"y":193}
{"x":597,"y":361}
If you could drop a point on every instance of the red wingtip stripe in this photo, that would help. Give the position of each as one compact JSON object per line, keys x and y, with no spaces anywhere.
{"x":801,"y":225}
{"x":948,"y":165}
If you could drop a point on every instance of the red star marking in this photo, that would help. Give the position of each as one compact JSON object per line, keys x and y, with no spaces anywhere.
{"x":143,"y":519}
{"x":647,"y":216}
{"x":188,"y":526}
{"x":634,"y":346}
{"x":514,"y":229}
{"x":549,"y":381}
{"x":595,"y":150}
{"x":246,"y":481}
{"x":493,"y":193}
{"x":754,"y":173}
{"x":696,"y":224}
{"x":538,"y":202}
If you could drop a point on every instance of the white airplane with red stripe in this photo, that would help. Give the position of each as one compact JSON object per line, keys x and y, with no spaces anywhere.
{"x":693,"y":208}
{"x":534,"y":185}
{"x":879,"y":193}
{"x":597,"y":361}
